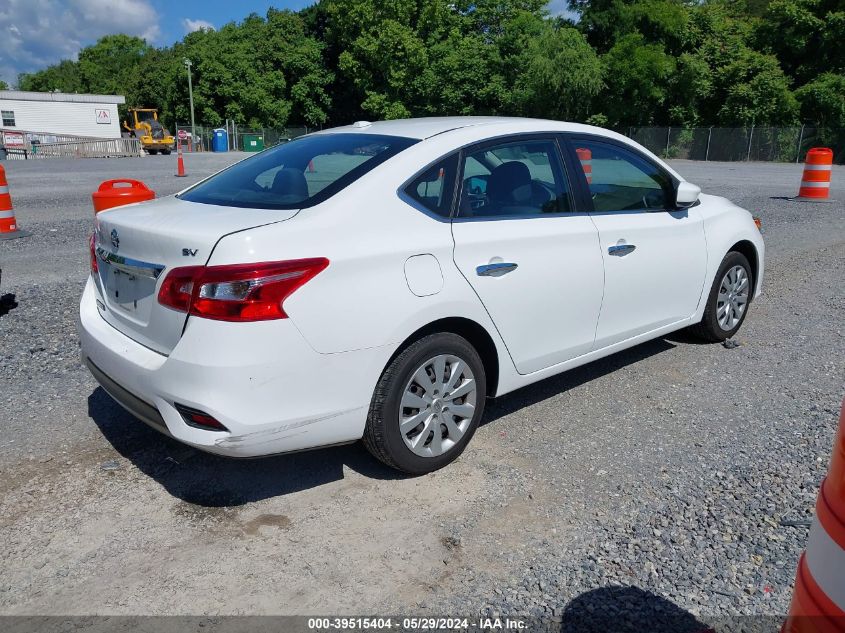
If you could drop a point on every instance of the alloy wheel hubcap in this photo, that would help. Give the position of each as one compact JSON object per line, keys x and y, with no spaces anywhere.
{"x":733,"y":298}
{"x":437,"y":405}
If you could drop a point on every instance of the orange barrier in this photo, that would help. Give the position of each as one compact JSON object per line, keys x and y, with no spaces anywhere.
{"x":9,"y":228}
{"x":110,"y":195}
{"x":815,"y":183}
{"x":818,"y":604}
{"x":180,"y":163}
{"x":586,"y":158}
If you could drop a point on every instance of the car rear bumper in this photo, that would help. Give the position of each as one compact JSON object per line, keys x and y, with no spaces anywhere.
{"x":262,"y":381}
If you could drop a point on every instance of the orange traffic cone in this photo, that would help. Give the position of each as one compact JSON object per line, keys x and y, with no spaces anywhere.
{"x":180,"y":162}
{"x":818,"y":604}
{"x":586,"y":158}
{"x":815,"y":181}
{"x":9,"y":229}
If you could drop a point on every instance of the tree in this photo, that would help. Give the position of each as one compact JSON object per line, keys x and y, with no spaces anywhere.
{"x":61,"y":77}
{"x":823,"y":100}
{"x":754,"y":90}
{"x":107,"y":66}
{"x":605,"y":22}
{"x":805,"y":35}
{"x":639,"y":76}
{"x":552,"y":71}
{"x":625,"y":62}
{"x":3,"y":85}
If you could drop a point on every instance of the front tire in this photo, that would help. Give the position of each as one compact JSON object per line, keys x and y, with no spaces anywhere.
{"x":728,"y":301}
{"x":427,"y":404}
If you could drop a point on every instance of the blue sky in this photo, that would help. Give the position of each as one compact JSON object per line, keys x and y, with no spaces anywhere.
{"x":37,"y":33}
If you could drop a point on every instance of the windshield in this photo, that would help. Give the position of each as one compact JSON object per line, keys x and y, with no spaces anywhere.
{"x":298,"y":174}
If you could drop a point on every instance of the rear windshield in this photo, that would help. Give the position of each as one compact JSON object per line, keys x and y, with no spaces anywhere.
{"x":298,"y":174}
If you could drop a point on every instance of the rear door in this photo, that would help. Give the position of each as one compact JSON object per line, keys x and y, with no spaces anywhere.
{"x":531,"y":258}
{"x":655,"y":256}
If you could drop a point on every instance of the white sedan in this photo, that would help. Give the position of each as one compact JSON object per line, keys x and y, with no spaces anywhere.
{"x":380,"y":281}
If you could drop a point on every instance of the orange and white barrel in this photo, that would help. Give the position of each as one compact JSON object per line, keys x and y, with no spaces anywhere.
{"x":815,"y":183}
{"x":818,"y":604}
{"x":586,"y":158}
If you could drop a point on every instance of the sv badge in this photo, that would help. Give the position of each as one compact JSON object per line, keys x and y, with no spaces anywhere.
{"x":189,"y":252}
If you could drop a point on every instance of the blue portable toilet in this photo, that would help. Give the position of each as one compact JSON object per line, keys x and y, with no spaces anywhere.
{"x":220,"y":140}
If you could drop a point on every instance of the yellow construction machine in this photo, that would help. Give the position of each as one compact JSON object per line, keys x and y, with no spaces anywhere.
{"x":145,"y":126}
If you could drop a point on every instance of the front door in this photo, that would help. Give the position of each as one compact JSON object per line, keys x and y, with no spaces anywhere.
{"x":655,"y":256}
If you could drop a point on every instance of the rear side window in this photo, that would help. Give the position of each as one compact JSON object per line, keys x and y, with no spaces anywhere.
{"x":621,"y":180}
{"x":434,"y":188}
{"x":513,"y":179}
{"x":298,"y":174}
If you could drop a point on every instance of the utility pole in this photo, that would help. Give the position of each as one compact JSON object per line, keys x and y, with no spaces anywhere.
{"x":187,"y":63}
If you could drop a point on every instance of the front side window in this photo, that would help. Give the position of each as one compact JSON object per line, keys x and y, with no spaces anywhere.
{"x":8,"y":117}
{"x":299,"y":174}
{"x":513,"y":179}
{"x":620,"y":180}
{"x":434,"y":187}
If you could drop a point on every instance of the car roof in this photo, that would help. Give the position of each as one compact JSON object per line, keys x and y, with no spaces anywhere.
{"x":475,"y":128}
{"x":424,"y":128}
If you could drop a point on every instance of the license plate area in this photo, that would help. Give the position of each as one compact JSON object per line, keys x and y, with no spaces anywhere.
{"x":128,"y":286}
{"x":124,"y":290}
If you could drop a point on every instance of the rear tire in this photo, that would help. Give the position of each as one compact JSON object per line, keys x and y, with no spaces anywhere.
{"x":427,"y":404}
{"x":728,"y":301}
{"x":152,"y":152}
{"x":166,"y":152}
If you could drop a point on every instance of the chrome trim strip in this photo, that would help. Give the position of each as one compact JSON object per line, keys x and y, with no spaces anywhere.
{"x":129,"y":265}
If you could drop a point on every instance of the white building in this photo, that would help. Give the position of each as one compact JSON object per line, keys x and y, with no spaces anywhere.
{"x":60,"y":114}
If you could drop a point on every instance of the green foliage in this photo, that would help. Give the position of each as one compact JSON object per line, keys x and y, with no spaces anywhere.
{"x":639,"y":75}
{"x":553,"y":73}
{"x":681,"y":63}
{"x":3,"y":85}
{"x":823,"y":100}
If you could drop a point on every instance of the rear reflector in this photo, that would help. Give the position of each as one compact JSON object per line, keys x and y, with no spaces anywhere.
{"x":238,"y":292}
{"x":199,"y":419}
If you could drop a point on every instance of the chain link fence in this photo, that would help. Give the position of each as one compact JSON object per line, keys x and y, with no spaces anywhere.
{"x":772,"y":144}
{"x":777,"y":144}
{"x":236,"y":134}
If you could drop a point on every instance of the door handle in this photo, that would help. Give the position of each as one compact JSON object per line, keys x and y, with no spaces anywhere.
{"x":495,"y":270}
{"x":620,"y":250}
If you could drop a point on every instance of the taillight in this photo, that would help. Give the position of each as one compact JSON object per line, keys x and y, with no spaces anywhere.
{"x":178,"y":287}
{"x":238,"y":292}
{"x":758,"y":223}
{"x":92,"y":247}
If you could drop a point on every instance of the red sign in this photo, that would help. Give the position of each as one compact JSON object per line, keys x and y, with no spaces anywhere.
{"x":183,"y":134}
{"x":13,"y":139}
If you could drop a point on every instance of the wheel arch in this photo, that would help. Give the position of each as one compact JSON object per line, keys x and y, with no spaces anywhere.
{"x":747,"y":248}
{"x":473,"y":332}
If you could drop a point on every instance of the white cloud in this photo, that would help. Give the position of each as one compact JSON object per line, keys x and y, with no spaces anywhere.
{"x":196,"y":25}
{"x":37,"y":33}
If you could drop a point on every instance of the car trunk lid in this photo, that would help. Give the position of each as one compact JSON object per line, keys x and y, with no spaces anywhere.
{"x":138,"y":244}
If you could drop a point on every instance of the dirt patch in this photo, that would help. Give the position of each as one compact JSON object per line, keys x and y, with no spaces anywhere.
{"x":278,"y":521}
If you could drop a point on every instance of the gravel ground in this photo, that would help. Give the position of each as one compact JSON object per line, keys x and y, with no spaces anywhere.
{"x":673,"y":481}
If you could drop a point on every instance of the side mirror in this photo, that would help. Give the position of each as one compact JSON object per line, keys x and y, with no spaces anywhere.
{"x":686,"y":194}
